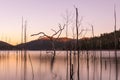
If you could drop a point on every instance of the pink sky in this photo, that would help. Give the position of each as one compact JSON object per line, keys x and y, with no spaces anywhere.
{"x":43,"y":15}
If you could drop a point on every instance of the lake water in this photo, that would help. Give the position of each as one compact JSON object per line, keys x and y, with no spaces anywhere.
{"x":42,"y":65}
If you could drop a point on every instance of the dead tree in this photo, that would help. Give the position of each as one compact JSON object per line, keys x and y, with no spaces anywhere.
{"x":52,"y":39}
{"x":115,"y":39}
{"x":25,"y":40}
{"x":68,"y":20}
{"x":77,"y":33}
{"x":93,"y":42}
{"x":25,"y":47}
{"x":78,"y":24}
{"x":22,"y":32}
{"x":115,"y":42}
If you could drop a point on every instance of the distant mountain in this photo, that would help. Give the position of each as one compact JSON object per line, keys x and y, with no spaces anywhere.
{"x":44,"y":44}
{"x":5,"y":46}
{"x":105,"y":41}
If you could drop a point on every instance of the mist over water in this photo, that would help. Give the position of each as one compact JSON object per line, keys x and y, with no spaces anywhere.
{"x":42,"y":65}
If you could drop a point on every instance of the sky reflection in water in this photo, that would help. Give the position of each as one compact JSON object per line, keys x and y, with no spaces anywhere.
{"x":42,"y":65}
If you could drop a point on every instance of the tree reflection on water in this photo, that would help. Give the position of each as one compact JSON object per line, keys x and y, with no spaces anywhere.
{"x":42,"y":65}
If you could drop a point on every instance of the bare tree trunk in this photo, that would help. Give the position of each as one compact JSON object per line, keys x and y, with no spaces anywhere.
{"x":22,"y":32}
{"x":115,"y":39}
{"x":77,"y":43}
{"x":22,"y":64}
{"x":67,"y":21}
{"x":25,"y":51}
{"x":22,"y":37}
{"x":94,"y":53}
{"x":25,"y":36}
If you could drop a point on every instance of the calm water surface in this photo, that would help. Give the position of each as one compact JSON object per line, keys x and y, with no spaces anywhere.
{"x":42,"y":65}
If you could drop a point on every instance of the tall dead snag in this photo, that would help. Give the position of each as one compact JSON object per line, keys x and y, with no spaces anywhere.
{"x":24,"y":36}
{"x":25,"y":32}
{"x":115,"y":39}
{"x":93,"y":42}
{"x":21,"y":42}
{"x":22,"y":32}
{"x":77,"y":33}
{"x":66,"y":25}
{"x":52,"y":39}
{"x":67,"y":19}
{"x":77,"y":37}
{"x":115,"y":42}
{"x":25,"y":40}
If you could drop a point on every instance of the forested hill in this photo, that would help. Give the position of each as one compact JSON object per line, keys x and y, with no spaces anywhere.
{"x":5,"y":46}
{"x":105,"y":41}
{"x":45,"y":44}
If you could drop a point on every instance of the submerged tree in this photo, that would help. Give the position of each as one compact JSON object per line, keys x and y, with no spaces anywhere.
{"x":78,"y":32}
{"x":77,"y":35}
{"x":68,"y":20}
{"x":52,"y":37}
{"x":115,"y":39}
{"x":115,"y":42}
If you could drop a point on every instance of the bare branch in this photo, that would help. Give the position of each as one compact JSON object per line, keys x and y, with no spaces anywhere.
{"x":51,"y":37}
{"x":80,"y":22}
{"x":81,"y":32}
{"x":42,"y":34}
{"x":92,"y":29}
{"x":58,"y":30}
{"x":53,"y":30}
{"x":68,"y":17}
{"x":73,"y":33}
{"x":85,"y":32}
{"x":61,"y":31}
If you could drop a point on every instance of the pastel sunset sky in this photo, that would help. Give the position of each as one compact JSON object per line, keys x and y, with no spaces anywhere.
{"x":44,"y":15}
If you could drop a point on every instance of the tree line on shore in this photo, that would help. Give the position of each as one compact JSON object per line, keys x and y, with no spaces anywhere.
{"x":103,"y":42}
